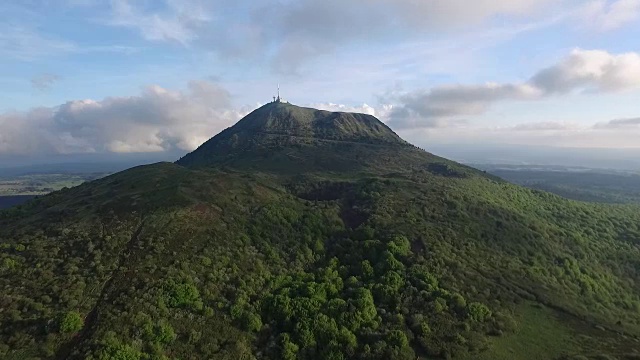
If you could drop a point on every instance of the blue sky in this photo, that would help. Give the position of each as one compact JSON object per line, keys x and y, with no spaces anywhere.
{"x":126,"y":76}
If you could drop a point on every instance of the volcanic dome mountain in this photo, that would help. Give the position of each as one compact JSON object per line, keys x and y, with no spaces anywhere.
{"x":280,"y":127}
{"x":284,"y":119}
{"x":306,"y":234}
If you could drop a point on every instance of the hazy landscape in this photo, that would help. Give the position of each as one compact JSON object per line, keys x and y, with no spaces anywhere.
{"x":15,"y":189}
{"x":577,"y":183}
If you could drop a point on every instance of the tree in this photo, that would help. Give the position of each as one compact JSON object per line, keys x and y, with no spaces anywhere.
{"x":185,"y":294}
{"x":289,"y":349}
{"x":71,"y":322}
{"x":363,"y":301}
{"x":400,"y":246}
{"x":120,"y":352}
{"x":366,"y":270}
{"x":479,"y":312}
{"x":252,"y":321}
{"x":164,"y":333}
{"x":397,"y":338}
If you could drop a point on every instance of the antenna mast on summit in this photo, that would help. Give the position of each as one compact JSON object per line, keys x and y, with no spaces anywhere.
{"x":278,"y":99}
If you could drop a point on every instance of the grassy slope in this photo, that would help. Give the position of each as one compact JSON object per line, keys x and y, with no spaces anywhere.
{"x":541,"y":335}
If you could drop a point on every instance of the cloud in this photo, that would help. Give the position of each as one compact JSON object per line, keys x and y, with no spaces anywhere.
{"x":27,"y":44}
{"x":546,"y":126}
{"x":552,"y":134}
{"x":305,"y":29}
{"x":610,"y":15}
{"x":581,"y":70}
{"x":362,"y":109}
{"x":432,"y":14}
{"x":23,"y":133}
{"x":436,"y":107}
{"x":156,"y":120}
{"x":294,"y":52}
{"x":339,"y":19}
{"x":176,"y":21}
{"x":289,"y":33}
{"x":44,"y":82}
{"x":619,"y":124}
{"x":594,"y":70}
{"x":428,"y":108}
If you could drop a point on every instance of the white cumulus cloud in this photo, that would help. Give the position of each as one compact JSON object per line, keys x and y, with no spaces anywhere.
{"x":581,"y":70}
{"x":156,"y":120}
{"x":595,"y":70}
{"x":363,"y":109}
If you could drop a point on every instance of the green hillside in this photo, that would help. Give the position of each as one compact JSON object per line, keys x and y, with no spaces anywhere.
{"x":303,"y":234}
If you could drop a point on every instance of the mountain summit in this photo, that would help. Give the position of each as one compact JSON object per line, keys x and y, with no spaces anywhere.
{"x":279,"y":126}
{"x":278,"y":118}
